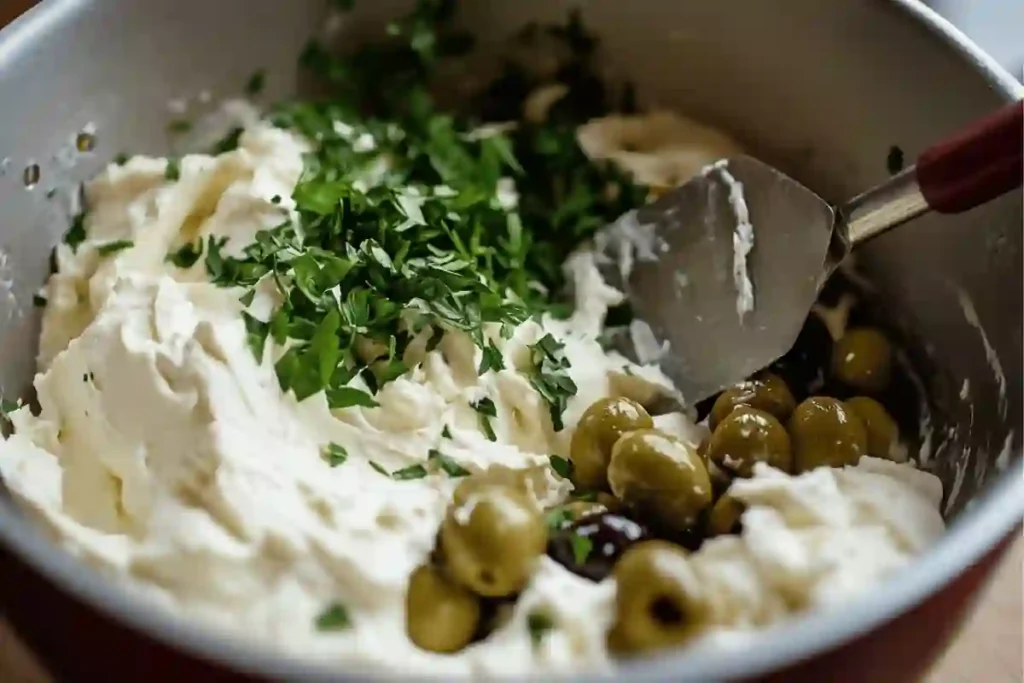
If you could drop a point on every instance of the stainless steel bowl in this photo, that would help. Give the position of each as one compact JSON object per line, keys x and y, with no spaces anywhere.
{"x":821,"y":89}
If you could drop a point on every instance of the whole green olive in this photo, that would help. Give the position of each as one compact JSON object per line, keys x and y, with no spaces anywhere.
{"x":724,"y":517}
{"x":599,"y":428}
{"x":825,"y":432}
{"x":748,"y":436}
{"x":655,"y":603}
{"x":661,"y":477}
{"x":491,"y":540}
{"x":862,"y":359}
{"x":766,"y":391}
{"x":440,"y":616}
{"x":883,"y":433}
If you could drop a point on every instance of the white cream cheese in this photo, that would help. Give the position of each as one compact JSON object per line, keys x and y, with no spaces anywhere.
{"x":166,"y":455}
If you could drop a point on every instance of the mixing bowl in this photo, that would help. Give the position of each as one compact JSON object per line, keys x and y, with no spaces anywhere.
{"x":821,"y":89}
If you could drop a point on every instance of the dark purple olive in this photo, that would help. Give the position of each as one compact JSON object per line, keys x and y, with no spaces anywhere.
{"x":590,"y":546}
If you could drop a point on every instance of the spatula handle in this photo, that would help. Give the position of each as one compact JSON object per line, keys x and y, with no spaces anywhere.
{"x":976,"y":164}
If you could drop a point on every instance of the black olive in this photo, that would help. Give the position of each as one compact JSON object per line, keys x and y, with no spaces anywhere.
{"x":591,"y":545}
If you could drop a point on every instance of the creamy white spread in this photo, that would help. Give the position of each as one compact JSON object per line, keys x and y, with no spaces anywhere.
{"x":166,"y":454}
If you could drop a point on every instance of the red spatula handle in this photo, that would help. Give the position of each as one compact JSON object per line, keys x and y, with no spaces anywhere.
{"x":976,"y":164}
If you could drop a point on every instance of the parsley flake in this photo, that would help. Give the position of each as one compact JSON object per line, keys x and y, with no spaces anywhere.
{"x":187,"y":255}
{"x":256,"y":83}
{"x":450,"y":467}
{"x":380,"y":468}
{"x":550,"y":377}
{"x":334,"y":618}
{"x":109,"y":248}
{"x":173,"y":170}
{"x":562,"y":466}
{"x":487,"y":410}
{"x":179,"y":126}
{"x":410,"y":472}
{"x":538,"y":623}
{"x":446,"y":433}
{"x":334,"y":454}
{"x":76,"y":233}
{"x":581,"y":548}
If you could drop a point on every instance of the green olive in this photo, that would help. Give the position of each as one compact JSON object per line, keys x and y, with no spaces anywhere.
{"x":661,"y":477}
{"x":749,"y":436}
{"x":491,"y":540}
{"x":862,"y":359}
{"x":600,"y":427}
{"x":440,"y":616}
{"x":724,"y":517}
{"x":655,"y":606}
{"x":883,"y":434}
{"x":826,"y":433}
{"x":766,"y":391}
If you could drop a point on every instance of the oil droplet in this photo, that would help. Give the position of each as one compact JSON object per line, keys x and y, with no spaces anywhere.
{"x":85,"y":142}
{"x":31,"y":175}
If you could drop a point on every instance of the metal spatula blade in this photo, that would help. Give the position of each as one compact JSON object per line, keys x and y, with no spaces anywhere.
{"x":724,"y":269}
{"x":695,"y":297}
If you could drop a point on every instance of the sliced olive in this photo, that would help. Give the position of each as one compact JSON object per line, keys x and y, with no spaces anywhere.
{"x":591,"y":545}
{"x":825,"y":432}
{"x":767,"y":392}
{"x":655,"y":605}
{"x":490,"y":541}
{"x":440,"y":616}
{"x":660,"y":477}
{"x":883,"y":433}
{"x":748,"y":436}
{"x":599,"y":428}
{"x":862,"y":359}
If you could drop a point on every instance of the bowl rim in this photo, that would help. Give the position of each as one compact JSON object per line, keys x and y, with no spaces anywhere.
{"x":974,"y":532}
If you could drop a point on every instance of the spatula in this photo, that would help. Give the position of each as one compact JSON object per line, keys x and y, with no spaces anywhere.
{"x":725,"y":268}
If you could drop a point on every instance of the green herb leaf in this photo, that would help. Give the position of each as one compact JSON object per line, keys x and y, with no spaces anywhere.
{"x":173,"y":170}
{"x":410,"y":472}
{"x":345,"y":397}
{"x":76,"y":233}
{"x":562,"y":466}
{"x":380,"y":468}
{"x":487,"y":410}
{"x":581,"y":548}
{"x":229,"y":142}
{"x":120,"y":158}
{"x":334,"y":454}
{"x":550,"y":377}
{"x":109,"y":248}
{"x":334,"y":618}
{"x":7,"y":407}
{"x":254,"y":86}
{"x":187,"y":255}
{"x":538,"y":623}
{"x":446,"y":433}
{"x":450,"y":467}
{"x":39,"y":301}
{"x":491,"y":359}
{"x":558,"y":519}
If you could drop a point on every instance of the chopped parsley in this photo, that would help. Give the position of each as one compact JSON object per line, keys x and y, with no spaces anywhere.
{"x":894,"y":160}
{"x":227,"y":143}
{"x":380,"y":468}
{"x":550,"y":377}
{"x":398,"y":232}
{"x":334,"y":454}
{"x":108,"y":248}
{"x":76,"y":233}
{"x":538,"y":623}
{"x":254,"y":86}
{"x":410,"y":472}
{"x":173,"y":170}
{"x":39,"y":301}
{"x":334,"y":618}
{"x":121,"y":158}
{"x":187,"y":255}
{"x":7,"y":407}
{"x":581,"y":548}
{"x":562,"y":466}
{"x":487,"y":410}
{"x":449,"y":466}
{"x":446,"y":432}
{"x":558,"y":519}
